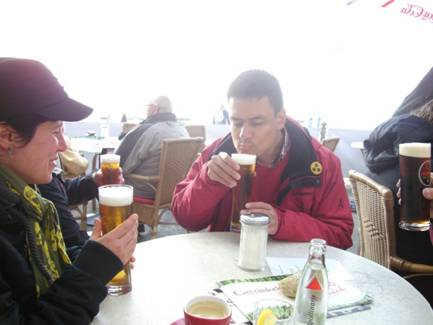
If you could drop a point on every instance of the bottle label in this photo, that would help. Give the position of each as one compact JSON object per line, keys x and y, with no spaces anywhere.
{"x":314,"y":285}
{"x":310,"y":314}
{"x":314,"y":292}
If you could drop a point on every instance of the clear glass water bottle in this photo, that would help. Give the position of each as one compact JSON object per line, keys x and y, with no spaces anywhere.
{"x":311,"y":302}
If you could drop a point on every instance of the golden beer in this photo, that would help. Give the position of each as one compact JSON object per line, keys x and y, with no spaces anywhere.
{"x":109,"y":163}
{"x":114,"y":207}
{"x":241,"y":193}
{"x":414,"y":161}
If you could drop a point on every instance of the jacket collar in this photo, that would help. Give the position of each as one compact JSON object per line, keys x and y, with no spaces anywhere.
{"x":301,"y":153}
{"x":160,"y":117}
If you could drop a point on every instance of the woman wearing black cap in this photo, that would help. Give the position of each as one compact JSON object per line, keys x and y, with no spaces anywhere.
{"x":38,"y":282}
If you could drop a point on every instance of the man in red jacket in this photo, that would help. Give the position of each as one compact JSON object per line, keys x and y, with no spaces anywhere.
{"x":298,"y":182}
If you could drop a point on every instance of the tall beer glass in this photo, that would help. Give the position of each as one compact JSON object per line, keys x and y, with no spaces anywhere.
{"x":241,"y":194}
{"x":114,"y":206}
{"x":414,"y":177}
{"x":109,"y":163}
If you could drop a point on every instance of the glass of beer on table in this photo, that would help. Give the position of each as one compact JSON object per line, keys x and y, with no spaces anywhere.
{"x":115,"y":206}
{"x":414,"y":161}
{"x":109,"y":163}
{"x":241,"y":193}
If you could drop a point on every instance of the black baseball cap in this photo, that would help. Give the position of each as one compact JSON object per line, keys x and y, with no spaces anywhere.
{"x":27,"y":87}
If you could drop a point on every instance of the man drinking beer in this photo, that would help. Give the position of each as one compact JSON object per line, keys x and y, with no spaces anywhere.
{"x":298,"y":183}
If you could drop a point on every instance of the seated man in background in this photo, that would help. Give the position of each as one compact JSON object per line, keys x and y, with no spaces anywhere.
{"x":66,"y":192}
{"x":298,"y":182}
{"x":140,"y":150}
{"x":381,"y":154}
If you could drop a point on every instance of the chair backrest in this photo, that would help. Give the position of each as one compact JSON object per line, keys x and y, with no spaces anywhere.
{"x":375,"y":210}
{"x":331,"y":143}
{"x":177,"y":156}
{"x":128,"y":126}
{"x":196,"y":131}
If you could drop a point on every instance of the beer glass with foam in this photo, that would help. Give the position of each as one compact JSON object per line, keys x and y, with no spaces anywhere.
{"x":241,"y":194}
{"x":414,"y":161}
{"x":114,"y":206}
{"x":109,"y":164}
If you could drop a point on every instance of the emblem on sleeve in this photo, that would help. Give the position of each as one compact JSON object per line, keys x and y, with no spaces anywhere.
{"x":316,"y":168}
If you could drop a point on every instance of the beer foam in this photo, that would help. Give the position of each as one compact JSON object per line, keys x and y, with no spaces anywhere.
{"x":415,"y":149}
{"x":116,"y":195}
{"x":110,"y":158}
{"x":244,"y":159}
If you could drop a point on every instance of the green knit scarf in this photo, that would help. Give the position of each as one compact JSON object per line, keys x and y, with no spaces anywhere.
{"x":43,"y":221}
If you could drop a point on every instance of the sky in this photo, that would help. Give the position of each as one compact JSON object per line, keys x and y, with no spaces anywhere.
{"x":349,"y":65}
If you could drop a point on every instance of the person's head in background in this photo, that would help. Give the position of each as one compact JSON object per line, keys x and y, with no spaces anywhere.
{"x":161,"y":104}
{"x":33,"y":106}
{"x":425,"y":111}
{"x":257,"y":115}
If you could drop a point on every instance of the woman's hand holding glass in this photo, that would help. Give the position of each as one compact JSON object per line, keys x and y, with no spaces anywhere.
{"x":121,"y":240}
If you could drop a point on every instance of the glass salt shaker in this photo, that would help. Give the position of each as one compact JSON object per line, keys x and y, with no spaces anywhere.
{"x":253,"y":242}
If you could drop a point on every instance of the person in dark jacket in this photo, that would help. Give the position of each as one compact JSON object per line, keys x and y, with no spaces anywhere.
{"x":428,"y":194}
{"x":421,"y":94}
{"x":221,"y":116}
{"x":39,"y":283}
{"x":64,"y":192}
{"x":381,"y":157}
{"x":140,"y":149}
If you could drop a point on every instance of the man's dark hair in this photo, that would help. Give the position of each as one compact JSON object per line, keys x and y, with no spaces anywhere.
{"x":257,"y":84}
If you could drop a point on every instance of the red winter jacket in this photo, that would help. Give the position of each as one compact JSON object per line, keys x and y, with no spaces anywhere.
{"x":308,"y":205}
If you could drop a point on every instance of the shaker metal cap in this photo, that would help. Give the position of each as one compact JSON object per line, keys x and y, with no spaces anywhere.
{"x":255,"y":219}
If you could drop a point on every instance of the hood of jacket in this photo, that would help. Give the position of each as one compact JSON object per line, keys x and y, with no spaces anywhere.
{"x":381,"y":148}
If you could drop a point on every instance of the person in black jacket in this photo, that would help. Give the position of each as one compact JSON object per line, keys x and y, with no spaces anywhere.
{"x":64,"y":192}
{"x":39,"y":283}
{"x":428,"y":194}
{"x":420,"y":95}
{"x":381,"y":152}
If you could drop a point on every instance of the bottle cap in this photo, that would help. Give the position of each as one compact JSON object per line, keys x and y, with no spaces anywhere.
{"x":317,"y":241}
{"x":255,"y":219}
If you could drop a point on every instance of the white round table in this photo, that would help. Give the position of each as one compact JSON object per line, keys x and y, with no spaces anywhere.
{"x":171,"y":270}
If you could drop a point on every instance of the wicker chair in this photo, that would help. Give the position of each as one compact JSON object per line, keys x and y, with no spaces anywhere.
{"x":331,"y":143}
{"x":375,"y":210}
{"x":128,"y":126}
{"x":196,"y":131}
{"x":177,"y":156}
